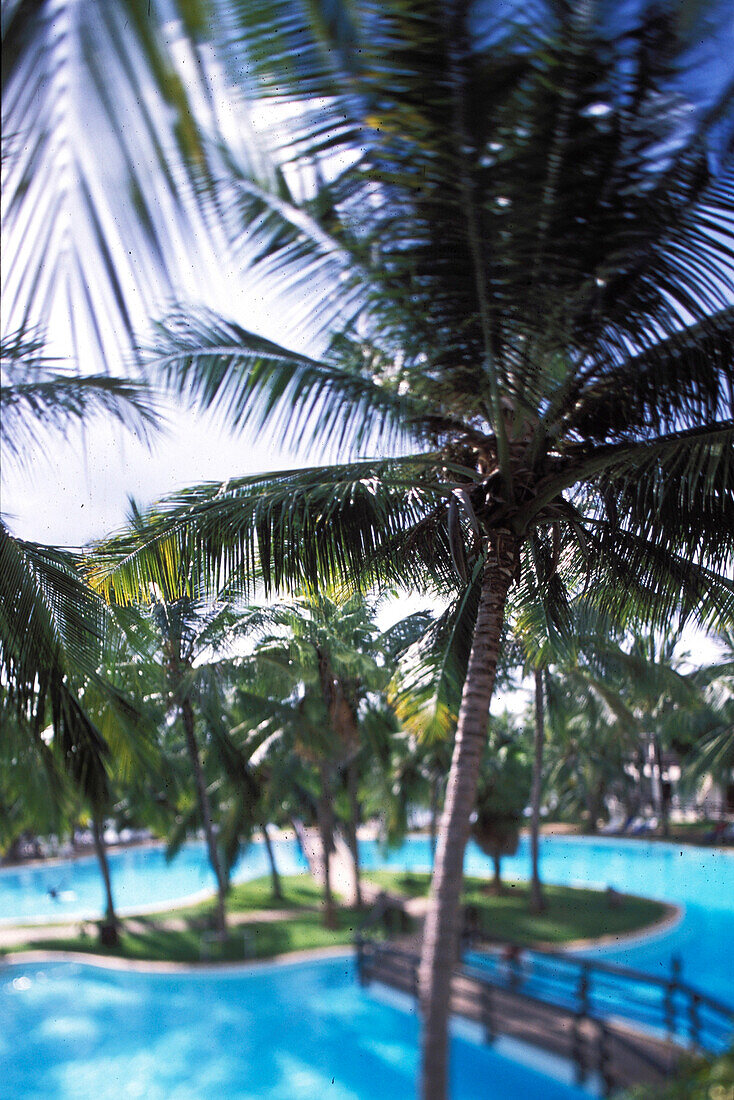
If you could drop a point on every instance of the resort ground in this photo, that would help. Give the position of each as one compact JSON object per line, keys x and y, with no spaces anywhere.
{"x":261,"y":927}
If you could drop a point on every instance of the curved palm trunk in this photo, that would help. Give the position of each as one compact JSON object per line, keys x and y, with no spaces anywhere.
{"x":187,"y":717}
{"x":537,"y":901}
{"x":108,"y":933}
{"x":442,"y":927}
{"x":274,"y":876}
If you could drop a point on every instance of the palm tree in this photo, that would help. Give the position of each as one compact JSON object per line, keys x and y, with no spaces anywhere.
{"x":326,"y":660}
{"x":537,"y":901}
{"x":710,"y":727}
{"x":542,"y":645}
{"x":515,"y":231}
{"x":54,"y":630}
{"x":186,"y":629}
{"x":502,"y":793}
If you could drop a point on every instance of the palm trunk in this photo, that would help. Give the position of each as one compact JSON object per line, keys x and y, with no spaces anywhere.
{"x":352,"y":827}
{"x":433,"y":821}
{"x":497,"y":863}
{"x":442,"y":926}
{"x":274,"y":876}
{"x":343,"y":721}
{"x":537,"y":901}
{"x":594,"y":806}
{"x":662,"y":800}
{"x":326,"y":831}
{"x":108,"y":931}
{"x":187,"y":717}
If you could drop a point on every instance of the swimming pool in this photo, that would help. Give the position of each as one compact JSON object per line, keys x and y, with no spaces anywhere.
{"x":274,"y":1032}
{"x":700,"y":879}
{"x":72,"y":1030}
{"x":143,"y":880}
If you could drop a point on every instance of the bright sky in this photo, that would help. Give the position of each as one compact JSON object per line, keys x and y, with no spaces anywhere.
{"x":77,"y":489}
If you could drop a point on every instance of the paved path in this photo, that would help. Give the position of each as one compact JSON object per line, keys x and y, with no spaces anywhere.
{"x":31,"y":933}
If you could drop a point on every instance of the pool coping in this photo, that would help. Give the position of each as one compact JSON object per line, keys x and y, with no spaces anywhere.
{"x":117,"y":962}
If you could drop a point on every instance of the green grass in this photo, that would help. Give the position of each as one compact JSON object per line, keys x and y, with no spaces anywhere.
{"x":299,"y":892}
{"x":147,"y":938}
{"x":249,"y":941}
{"x":572,"y":914}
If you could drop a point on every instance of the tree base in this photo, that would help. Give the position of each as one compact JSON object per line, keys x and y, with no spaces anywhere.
{"x":109,"y":935}
{"x":495,"y":890}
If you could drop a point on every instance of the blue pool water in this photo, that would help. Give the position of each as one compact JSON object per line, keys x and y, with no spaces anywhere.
{"x":71,"y":1030}
{"x":142,"y":880}
{"x":301,"y":1031}
{"x":700,"y":879}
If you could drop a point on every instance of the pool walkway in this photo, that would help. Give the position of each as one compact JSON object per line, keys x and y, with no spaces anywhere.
{"x":16,"y":936}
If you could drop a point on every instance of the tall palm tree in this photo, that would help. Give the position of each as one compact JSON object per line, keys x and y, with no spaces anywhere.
{"x":514,"y":232}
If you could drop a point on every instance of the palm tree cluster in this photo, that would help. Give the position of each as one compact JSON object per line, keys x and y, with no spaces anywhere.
{"x":509,"y":231}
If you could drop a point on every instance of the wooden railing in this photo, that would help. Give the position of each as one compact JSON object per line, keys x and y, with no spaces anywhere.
{"x":563,"y":1017}
{"x":664,"y":1004}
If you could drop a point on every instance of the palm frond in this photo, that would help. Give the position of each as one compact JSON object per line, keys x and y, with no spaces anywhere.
{"x":689,"y":374}
{"x":426,"y":691}
{"x":678,"y":492}
{"x":36,"y":396}
{"x":50,"y":621}
{"x":343,"y":400}
{"x":107,"y":174}
{"x":296,"y":530}
{"x":638,"y":580}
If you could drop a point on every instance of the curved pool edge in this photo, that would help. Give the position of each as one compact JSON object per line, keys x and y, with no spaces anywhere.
{"x":152,"y":966}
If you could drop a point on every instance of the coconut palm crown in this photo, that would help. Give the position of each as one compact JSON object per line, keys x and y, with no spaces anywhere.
{"x":515,"y":235}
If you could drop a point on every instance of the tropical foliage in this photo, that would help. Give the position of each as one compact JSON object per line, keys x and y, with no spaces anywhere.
{"x":511,"y":233}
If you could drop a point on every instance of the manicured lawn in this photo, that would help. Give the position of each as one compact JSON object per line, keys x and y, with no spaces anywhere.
{"x":299,"y":892}
{"x":184,"y":935}
{"x":152,"y":937}
{"x":257,"y":940}
{"x":572,"y":913}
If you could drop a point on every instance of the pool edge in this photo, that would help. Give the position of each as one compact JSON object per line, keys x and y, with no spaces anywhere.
{"x":106,"y":962}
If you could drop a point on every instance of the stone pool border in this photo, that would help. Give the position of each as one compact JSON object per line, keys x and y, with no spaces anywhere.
{"x":117,"y":962}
